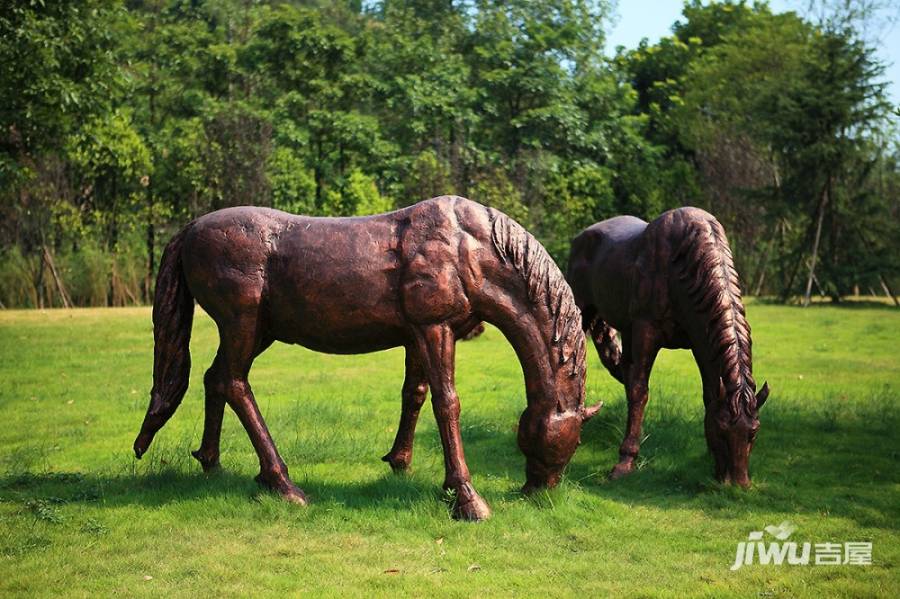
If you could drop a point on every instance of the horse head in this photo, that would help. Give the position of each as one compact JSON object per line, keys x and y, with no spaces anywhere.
{"x":549,"y":438}
{"x":730,"y":433}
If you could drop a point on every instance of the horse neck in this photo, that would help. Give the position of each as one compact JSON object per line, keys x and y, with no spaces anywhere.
{"x":720,"y":340}
{"x":535,"y":309}
{"x":713,"y":312}
{"x":542,"y":365}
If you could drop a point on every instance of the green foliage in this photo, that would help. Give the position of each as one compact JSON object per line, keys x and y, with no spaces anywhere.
{"x":16,"y":288}
{"x":494,"y":189}
{"x":91,"y":275}
{"x":577,"y":196}
{"x":109,"y":161}
{"x":88,"y":275}
{"x":57,"y":67}
{"x":122,"y":123}
{"x":428,"y":176}
{"x":293,"y":186}
{"x":775,"y":138}
{"x":108,"y":146}
{"x":358,"y":197}
{"x":362,"y":193}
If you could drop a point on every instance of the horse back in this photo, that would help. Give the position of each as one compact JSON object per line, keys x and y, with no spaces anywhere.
{"x":224,"y":256}
{"x":327,"y":283}
{"x":602,"y":267}
{"x":339,"y":285}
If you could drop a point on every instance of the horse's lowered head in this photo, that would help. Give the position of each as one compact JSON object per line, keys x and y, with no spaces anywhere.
{"x":549,"y":438}
{"x":550,"y":343}
{"x":732,"y":424}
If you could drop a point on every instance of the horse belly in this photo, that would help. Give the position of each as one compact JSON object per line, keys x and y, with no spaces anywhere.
{"x":365,"y":338}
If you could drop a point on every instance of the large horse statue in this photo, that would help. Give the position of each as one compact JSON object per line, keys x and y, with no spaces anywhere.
{"x":420,"y":277}
{"x":671,"y":284}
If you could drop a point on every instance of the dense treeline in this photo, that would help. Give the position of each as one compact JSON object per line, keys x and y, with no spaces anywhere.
{"x":122,"y":121}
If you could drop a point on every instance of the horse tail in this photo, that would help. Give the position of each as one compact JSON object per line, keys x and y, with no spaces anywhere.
{"x":173,"y":315}
{"x":608,"y":347}
{"x":707,"y":271}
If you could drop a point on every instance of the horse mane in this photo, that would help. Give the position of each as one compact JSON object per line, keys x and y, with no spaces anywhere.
{"x":706,"y":267}
{"x":546,"y":285}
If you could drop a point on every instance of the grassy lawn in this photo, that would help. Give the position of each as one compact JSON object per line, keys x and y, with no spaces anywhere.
{"x":80,"y":516}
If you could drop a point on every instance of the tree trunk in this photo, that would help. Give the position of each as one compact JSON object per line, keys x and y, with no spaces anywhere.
{"x":764,"y":261}
{"x":38,"y":278}
{"x":887,"y":289}
{"x":151,"y":225}
{"x":815,"y":249}
{"x":317,"y":173}
{"x":151,"y":247}
{"x":111,"y":240}
{"x":60,"y":288}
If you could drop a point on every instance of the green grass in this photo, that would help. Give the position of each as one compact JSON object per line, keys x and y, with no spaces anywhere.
{"x":80,"y":516}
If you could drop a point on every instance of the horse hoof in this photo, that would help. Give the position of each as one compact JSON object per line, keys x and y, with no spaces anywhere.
{"x":295,"y":495}
{"x":208,"y":464}
{"x":288,"y":490}
{"x":470,"y":506}
{"x":473,"y":511}
{"x":399,"y":462}
{"x":621,"y":470}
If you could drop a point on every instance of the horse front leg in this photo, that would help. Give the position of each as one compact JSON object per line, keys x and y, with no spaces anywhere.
{"x":641,"y":346}
{"x":415,"y":388}
{"x":436,"y":346}
{"x":208,"y":453}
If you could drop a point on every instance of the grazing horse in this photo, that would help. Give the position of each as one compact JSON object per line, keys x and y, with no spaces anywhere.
{"x":420,"y":277}
{"x":671,"y":284}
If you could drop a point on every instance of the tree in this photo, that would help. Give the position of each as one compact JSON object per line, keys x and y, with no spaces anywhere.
{"x":778,"y":138}
{"x":57,"y":69}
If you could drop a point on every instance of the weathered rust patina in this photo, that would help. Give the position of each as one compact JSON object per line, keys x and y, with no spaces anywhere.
{"x":420,"y":277}
{"x":671,"y":284}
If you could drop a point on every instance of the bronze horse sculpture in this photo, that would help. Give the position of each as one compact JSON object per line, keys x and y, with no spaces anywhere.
{"x":671,"y":284}
{"x":420,"y":277}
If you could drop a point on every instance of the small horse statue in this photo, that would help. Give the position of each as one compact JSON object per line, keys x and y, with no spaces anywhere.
{"x":671,"y":283}
{"x":420,"y":277}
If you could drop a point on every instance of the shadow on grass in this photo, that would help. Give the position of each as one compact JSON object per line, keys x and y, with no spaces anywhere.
{"x":807,"y":461}
{"x":159,"y":489}
{"x":843,"y":463}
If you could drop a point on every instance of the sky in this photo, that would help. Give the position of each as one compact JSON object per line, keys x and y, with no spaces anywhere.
{"x":653,"y":19}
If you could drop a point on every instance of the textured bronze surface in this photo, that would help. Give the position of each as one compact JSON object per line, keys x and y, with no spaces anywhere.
{"x":420,"y":277}
{"x":671,"y":284}
{"x":477,"y":331}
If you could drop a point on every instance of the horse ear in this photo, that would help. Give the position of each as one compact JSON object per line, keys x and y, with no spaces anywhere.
{"x":762,"y":395}
{"x":591,"y":411}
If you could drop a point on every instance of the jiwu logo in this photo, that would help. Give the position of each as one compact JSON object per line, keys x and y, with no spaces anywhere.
{"x":779,"y":551}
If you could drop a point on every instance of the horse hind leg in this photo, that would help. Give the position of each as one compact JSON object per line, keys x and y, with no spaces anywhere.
{"x":415,"y":388}
{"x":237,"y":350}
{"x":208,"y":453}
{"x":640,"y":351}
